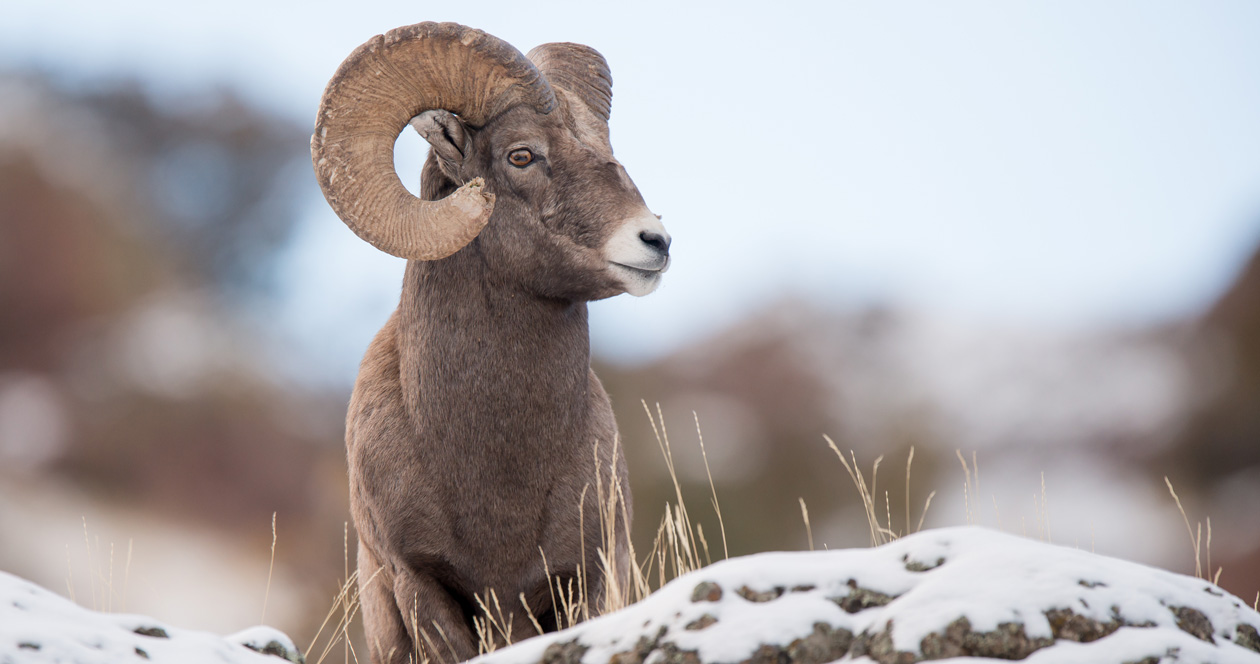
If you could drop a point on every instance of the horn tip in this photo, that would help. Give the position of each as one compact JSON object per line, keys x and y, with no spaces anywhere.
{"x":473,"y":200}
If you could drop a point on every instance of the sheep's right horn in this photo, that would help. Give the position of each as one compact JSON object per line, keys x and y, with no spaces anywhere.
{"x":384,"y":83}
{"x":578,"y":69}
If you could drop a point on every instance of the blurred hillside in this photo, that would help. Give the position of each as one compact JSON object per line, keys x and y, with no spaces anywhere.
{"x":146,"y":441}
{"x":1073,"y":431}
{"x":134,"y":231}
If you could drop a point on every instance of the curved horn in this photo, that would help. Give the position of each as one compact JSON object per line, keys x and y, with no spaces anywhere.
{"x":379,"y":87}
{"x":579,"y":70}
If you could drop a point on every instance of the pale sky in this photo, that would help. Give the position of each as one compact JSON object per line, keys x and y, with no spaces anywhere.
{"x":1036,"y":163}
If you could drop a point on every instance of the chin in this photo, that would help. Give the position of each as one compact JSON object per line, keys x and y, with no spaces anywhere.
{"x":635,"y":281}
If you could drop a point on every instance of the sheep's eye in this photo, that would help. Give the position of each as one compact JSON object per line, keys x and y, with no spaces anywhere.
{"x":520,"y":158}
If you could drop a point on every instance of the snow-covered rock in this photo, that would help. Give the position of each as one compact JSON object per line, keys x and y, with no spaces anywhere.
{"x":38,"y":626}
{"x":962,"y":593}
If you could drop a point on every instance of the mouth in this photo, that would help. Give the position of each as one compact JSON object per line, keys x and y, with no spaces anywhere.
{"x":656,"y":267}
{"x":643,"y":273}
{"x":638,"y":281}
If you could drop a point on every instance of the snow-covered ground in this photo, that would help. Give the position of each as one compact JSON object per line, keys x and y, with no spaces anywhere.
{"x":963,"y":593}
{"x":38,"y":626}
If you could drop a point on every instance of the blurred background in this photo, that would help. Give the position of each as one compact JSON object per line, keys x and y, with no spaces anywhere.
{"x":1023,"y":232}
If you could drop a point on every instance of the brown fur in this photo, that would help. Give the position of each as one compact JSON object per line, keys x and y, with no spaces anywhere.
{"x":473,"y":426}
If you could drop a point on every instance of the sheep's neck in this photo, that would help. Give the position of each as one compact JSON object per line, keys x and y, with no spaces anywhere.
{"x":489,"y":367}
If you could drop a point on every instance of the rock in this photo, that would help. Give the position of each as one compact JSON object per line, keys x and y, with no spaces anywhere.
{"x":38,"y":626}
{"x":269,"y":641}
{"x":760,"y":595}
{"x":706,"y":591}
{"x":957,"y":592}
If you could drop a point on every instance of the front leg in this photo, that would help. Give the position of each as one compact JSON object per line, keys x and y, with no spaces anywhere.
{"x":434,"y":620}
{"x":388,"y":641}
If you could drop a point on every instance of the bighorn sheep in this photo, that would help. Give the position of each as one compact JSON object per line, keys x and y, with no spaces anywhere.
{"x":473,"y":426}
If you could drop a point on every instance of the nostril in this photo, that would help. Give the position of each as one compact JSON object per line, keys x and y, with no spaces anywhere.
{"x":656,"y":241}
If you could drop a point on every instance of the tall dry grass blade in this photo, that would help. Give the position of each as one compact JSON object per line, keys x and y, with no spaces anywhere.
{"x":550,"y":585}
{"x":685,"y":522}
{"x":704,"y":544}
{"x":345,"y":572}
{"x":581,"y":570}
{"x":869,"y":494}
{"x":888,"y":516}
{"x":493,"y":621}
{"x":70,"y":576}
{"x":855,"y":477}
{"x":532,"y":618}
{"x":485,"y":637}
{"x":1198,"y":569}
{"x":127,"y":575}
{"x":966,"y":487}
{"x":1045,"y":507}
{"x":638,"y":575}
{"x":420,"y":653}
{"x":445,"y":639}
{"x":926,"y":505}
{"x":909,"y":462}
{"x":975,"y":466}
{"x":612,"y":592}
{"x":690,"y":554}
{"x":605,"y":536}
{"x":809,"y":532}
{"x":570,"y":597}
{"x":879,"y":533}
{"x":1198,"y":541}
{"x":967,"y":504}
{"x":726,"y":552}
{"x":270,"y":567}
{"x":335,"y":637}
{"x":1209,"y":550}
{"x":351,"y":588}
{"x":662,"y":536}
{"x":91,"y":578}
{"x":109,"y":596}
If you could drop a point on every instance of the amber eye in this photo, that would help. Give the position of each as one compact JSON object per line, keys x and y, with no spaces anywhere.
{"x":520,"y":158}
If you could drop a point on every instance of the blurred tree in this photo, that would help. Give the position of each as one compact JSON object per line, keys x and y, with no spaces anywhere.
{"x":220,"y":177}
{"x":1223,"y":436}
{"x":132,"y":229}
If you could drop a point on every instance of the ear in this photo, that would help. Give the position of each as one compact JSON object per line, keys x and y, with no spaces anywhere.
{"x":448,"y":137}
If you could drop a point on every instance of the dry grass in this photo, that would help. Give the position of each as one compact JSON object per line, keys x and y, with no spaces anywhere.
{"x":271,"y":566}
{"x":1198,"y":543}
{"x":680,"y":547}
{"x":881,"y":532}
{"x":101,"y":564}
{"x":345,"y":608}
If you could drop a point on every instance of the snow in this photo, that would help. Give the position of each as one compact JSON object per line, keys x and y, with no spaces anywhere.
{"x":38,"y":626}
{"x":907,"y":593}
{"x":988,"y":577}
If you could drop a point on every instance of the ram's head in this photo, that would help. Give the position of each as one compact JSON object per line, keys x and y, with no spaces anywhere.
{"x":520,"y":161}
